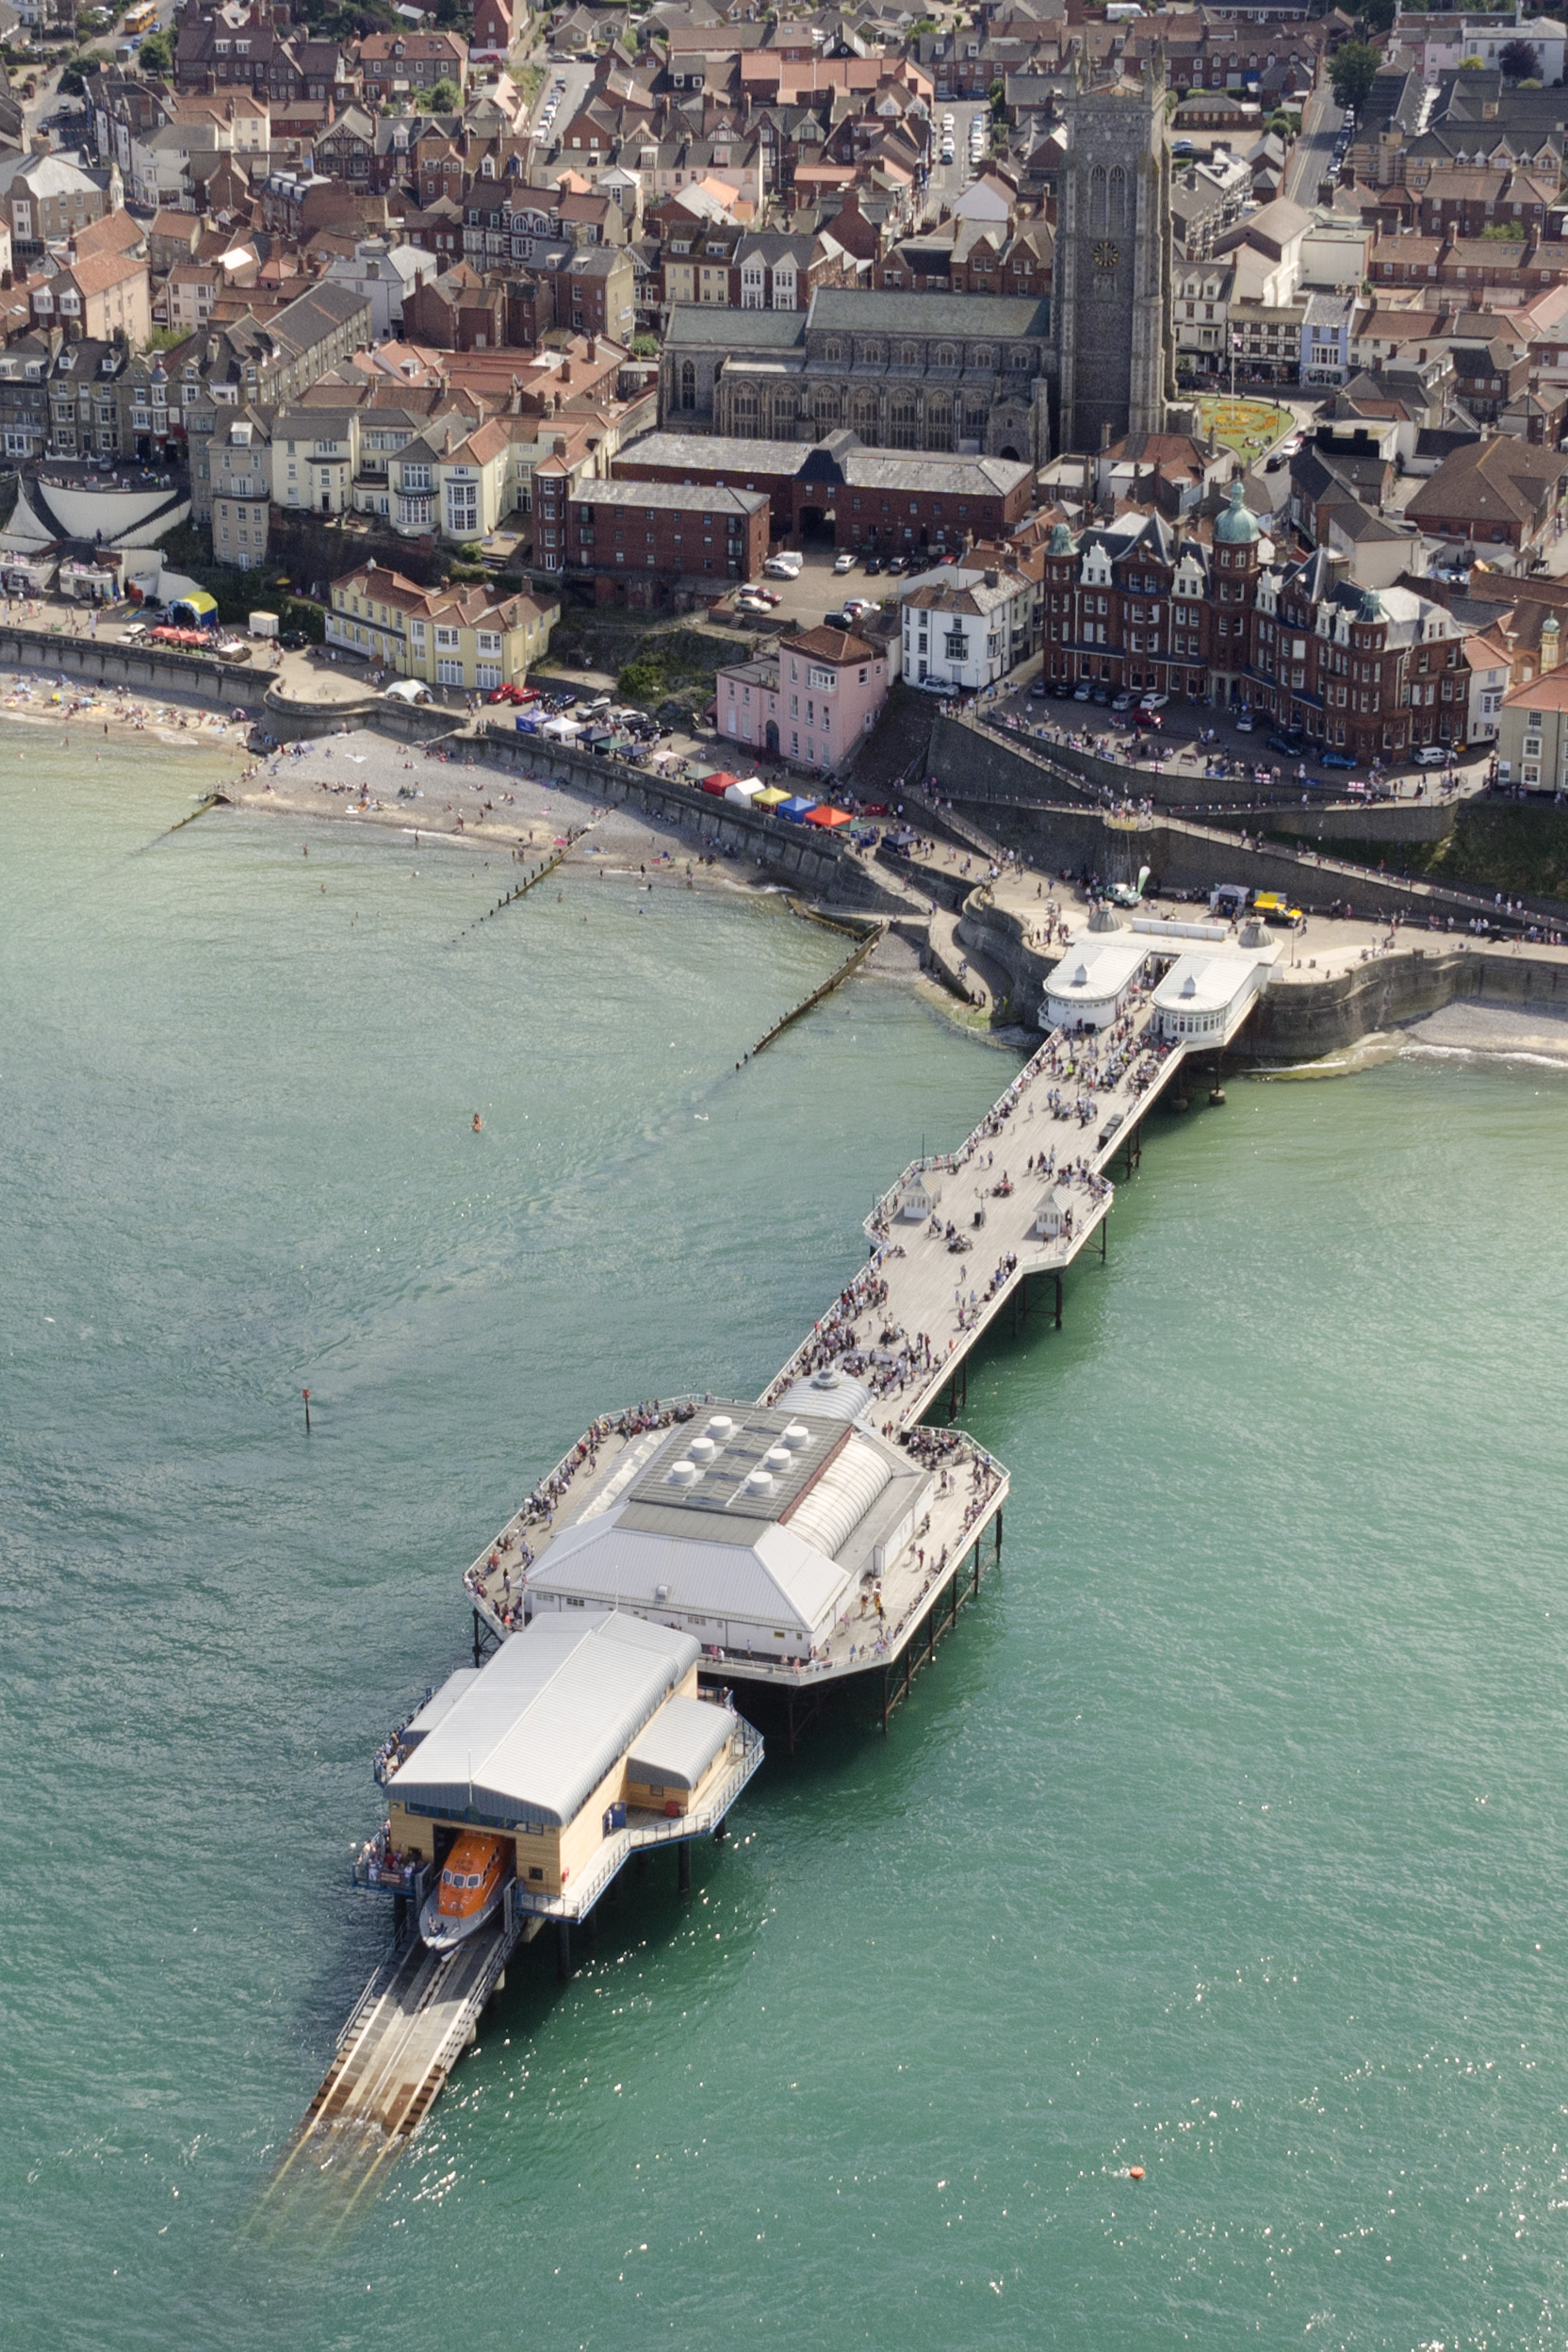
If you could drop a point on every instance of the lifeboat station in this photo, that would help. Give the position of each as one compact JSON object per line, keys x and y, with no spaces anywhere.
{"x":582,"y":1742}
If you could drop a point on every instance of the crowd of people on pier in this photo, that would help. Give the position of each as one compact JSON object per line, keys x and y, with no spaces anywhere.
{"x":377,"y":1863}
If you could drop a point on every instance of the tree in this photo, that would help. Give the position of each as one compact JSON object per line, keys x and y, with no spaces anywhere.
{"x":1519,"y":61}
{"x":1351,"y":71}
{"x":443,"y":99}
{"x":1376,"y":16}
{"x":156,"y":56}
{"x":74,"y":75}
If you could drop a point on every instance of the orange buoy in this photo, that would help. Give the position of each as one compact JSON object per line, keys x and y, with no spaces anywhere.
{"x":1135,"y":2172}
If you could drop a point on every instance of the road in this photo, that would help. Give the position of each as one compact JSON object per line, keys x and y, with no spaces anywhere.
{"x":577,"y":74}
{"x":1312,"y":157}
{"x":949,"y":180}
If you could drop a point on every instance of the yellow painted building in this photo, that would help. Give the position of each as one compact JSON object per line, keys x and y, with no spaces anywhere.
{"x":457,"y":636}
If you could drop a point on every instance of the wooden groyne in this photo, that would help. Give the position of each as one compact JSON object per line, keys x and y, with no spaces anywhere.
{"x":835,"y":979}
{"x":213,"y":800}
{"x":546,"y":866}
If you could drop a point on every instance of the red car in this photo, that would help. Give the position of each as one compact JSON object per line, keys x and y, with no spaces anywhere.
{"x":1148,"y":718}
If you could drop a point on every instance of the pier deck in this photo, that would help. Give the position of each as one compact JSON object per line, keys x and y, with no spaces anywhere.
{"x":905,"y":1328}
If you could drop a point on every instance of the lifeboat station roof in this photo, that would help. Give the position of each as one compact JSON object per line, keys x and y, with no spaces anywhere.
{"x":524,"y":1740}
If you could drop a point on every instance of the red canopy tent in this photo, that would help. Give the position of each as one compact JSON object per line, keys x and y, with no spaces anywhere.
{"x":718,"y":782}
{"x":828,"y":816}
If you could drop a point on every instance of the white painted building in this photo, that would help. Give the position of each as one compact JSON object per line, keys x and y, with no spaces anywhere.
{"x":1094,"y":981}
{"x":1207,"y":993}
{"x":966,"y":629}
{"x":1435,"y":44}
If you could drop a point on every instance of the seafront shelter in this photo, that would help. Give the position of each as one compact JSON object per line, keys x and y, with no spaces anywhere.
{"x":552,"y":1739}
{"x":1092,"y":984}
{"x":1205,"y":996}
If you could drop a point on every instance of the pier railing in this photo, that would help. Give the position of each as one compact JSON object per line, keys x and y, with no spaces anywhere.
{"x":616,"y":1850}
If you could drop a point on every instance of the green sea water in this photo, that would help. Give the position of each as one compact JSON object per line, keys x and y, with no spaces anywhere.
{"x":1226,"y":1839}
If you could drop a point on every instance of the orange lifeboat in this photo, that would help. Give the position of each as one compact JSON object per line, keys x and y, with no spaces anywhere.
{"x":469,"y":1892}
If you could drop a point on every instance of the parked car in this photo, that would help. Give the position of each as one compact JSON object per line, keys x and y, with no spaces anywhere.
{"x":1336,"y":760}
{"x":1037,"y":692}
{"x":845,"y":562}
{"x":782,"y":566}
{"x":1433,"y":756}
{"x":933,"y":685}
{"x":872,"y":565}
{"x":1082,"y":693}
{"x":293,"y":640}
{"x":1148,"y":718}
{"x":1152,"y":702}
{"x":1124,"y":702}
{"x":1244,"y":723}
{"x":1291,"y":745}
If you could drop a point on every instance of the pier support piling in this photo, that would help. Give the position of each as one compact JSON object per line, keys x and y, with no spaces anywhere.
{"x":1059,"y":1302}
{"x":683,"y":1867}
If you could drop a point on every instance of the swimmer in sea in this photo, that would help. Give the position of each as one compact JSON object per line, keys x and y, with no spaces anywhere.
{"x":478,"y":1123}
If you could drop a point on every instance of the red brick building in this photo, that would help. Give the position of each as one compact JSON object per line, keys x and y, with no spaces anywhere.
{"x":1138,"y":604}
{"x":650,"y":544}
{"x":875,"y":500}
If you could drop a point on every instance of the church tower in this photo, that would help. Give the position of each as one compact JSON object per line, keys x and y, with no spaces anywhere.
{"x":1116,"y":364}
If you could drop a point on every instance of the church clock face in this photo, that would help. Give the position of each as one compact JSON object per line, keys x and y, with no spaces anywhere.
{"x":1105,"y":255}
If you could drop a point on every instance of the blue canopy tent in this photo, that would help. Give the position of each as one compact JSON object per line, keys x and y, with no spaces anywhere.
{"x":796,"y":809}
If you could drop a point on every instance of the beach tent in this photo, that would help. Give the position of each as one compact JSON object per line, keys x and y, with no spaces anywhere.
{"x":770,"y":797}
{"x":746,"y":791}
{"x":196,"y":608}
{"x":718,"y":782}
{"x":827,"y":816}
{"x":796,"y":809}
{"x":406,"y":690}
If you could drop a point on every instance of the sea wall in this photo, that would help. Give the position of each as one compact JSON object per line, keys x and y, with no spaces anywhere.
{"x":99,"y":662}
{"x":793,"y":853}
{"x":1306,"y":1019}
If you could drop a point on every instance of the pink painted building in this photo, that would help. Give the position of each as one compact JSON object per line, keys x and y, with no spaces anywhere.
{"x":810,"y":702}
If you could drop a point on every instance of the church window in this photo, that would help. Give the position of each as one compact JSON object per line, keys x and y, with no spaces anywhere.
{"x":909,"y":355}
{"x":984,"y":356}
{"x":834,"y":352}
{"x":1118,"y":198}
{"x":688,"y":383}
{"x":946,"y":355}
{"x":1097,"y":197}
{"x":1020,"y":358}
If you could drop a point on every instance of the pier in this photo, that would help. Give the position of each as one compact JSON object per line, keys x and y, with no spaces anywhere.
{"x":828,"y":1532}
{"x":963,"y":1241}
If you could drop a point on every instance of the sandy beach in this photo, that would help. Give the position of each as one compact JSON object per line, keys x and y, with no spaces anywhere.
{"x":35,"y":699}
{"x":449,"y":800}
